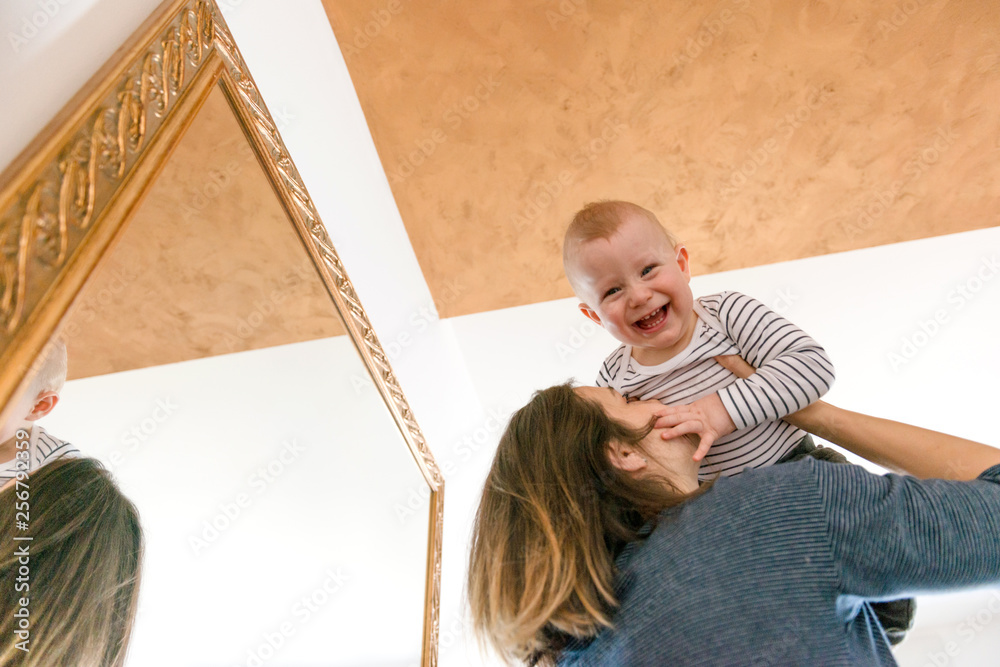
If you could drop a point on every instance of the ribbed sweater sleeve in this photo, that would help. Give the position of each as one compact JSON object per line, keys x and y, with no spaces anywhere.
{"x":894,"y":534}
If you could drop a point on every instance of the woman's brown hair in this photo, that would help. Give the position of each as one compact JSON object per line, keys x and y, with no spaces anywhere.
{"x":82,"y":569}
{"x":553,"y":516}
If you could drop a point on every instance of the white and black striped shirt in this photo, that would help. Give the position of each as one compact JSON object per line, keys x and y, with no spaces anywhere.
{"x":42,"y":448}
{"x":792,"y":372}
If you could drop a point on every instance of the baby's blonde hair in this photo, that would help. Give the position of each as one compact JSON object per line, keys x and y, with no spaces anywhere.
{"x":601,"y":219}
{"x":50,"y":368}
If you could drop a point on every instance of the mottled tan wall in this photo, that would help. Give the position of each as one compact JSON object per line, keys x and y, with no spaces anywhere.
{"x":759,"y":130}
{"x":209,"y":264}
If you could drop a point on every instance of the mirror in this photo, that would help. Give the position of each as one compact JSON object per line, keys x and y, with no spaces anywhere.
{"x":261,"y":434}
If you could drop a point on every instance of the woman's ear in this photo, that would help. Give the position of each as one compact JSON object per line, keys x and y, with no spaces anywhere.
{"x":626,"y":458}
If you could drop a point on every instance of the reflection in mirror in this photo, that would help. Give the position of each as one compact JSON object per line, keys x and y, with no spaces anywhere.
{"x":210,"y":373}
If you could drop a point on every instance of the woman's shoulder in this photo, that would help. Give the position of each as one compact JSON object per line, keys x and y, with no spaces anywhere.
{"x":754,"y":500}
{"x":767,"y":482}
{"x":785,"y":497}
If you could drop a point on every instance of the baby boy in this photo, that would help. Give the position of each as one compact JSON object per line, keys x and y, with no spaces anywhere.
{"x":633,"y":279}
{"x":24,"y":445}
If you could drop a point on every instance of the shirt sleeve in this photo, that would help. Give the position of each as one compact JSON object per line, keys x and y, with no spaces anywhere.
{"x":896,"y":535}
{"x":793,"y":370}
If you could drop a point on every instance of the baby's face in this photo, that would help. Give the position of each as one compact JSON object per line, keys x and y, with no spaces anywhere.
{"x":638,"y":286}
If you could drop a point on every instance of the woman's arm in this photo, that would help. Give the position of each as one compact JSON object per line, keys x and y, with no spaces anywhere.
{"x":899,"y":447}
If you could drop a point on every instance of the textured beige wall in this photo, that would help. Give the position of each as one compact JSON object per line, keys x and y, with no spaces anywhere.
{"x":209,"y":264}
{"x":759,"y":130}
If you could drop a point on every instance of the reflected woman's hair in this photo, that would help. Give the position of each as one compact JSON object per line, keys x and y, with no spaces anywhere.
{"x":554,"y":514}
{"x":73,"y":589}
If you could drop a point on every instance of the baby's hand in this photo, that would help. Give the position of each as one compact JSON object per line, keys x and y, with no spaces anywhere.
{"x":707,"y":417}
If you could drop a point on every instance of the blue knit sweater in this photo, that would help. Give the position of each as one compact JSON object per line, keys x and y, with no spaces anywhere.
{"x":774,"y":567}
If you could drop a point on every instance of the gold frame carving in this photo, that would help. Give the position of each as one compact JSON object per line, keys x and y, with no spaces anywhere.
{"x":67,"y":198}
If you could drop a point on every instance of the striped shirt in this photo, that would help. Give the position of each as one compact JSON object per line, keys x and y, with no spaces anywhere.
{"x":42,"y":448}
{"x":778,"y":566}
{"x":792,"y":372}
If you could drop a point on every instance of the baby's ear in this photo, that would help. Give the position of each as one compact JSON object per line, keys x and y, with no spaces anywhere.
{"x":683,"y":260}
{"x":590,"y":313}
{"x":44,"y":404}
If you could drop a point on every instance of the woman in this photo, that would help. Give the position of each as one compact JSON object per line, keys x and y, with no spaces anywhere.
{"x":594,"y":544}
{"x":68,"y":595}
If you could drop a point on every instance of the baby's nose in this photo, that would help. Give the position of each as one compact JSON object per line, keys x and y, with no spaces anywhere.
{"x":639,"y":295}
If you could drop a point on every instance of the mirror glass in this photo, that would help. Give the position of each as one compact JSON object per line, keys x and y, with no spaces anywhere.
{"x":210,"y":371}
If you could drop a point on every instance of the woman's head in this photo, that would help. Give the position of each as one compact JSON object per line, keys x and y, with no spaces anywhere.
{"x":558,"y":504}
{"x":79,"y":580}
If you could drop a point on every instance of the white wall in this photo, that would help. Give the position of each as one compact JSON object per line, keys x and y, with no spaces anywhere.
{"x":464,"y":375}
{"x":272,"y":490}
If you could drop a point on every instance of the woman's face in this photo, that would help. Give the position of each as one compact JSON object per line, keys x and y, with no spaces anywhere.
{"x":632,"y":413}
{"x":673,"y":458}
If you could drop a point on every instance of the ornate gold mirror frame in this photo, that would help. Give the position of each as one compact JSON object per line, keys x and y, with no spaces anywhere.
{"x":68,"y":198}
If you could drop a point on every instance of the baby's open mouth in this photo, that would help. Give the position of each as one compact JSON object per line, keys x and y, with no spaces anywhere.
{"x":653,"y":319}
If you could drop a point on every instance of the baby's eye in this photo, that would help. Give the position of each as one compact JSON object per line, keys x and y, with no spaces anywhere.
{"x":611,"y":292}
{"x":648,"y":269}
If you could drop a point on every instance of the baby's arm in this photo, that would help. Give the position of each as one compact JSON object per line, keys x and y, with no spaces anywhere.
{"x":793,"y":371}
